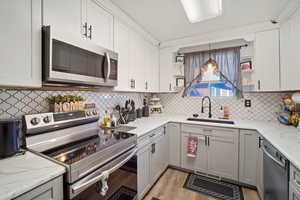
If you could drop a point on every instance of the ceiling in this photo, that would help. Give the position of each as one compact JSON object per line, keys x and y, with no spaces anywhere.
{"x":166,"y":20}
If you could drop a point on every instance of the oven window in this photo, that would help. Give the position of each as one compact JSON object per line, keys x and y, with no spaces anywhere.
{"x":70,"y":59}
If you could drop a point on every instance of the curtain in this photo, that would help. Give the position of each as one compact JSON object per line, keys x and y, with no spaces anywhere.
{"x":228,"y":61}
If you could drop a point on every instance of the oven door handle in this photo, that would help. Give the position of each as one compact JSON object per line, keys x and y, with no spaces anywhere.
{"x":108,"y":66}
{"x":105,"y":172}
{"x":272,"y":158}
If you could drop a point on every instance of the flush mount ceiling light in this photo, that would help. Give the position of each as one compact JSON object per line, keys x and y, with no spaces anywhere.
{"x":200,"y":10}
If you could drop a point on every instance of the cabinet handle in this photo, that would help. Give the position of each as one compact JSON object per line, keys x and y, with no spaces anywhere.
{"x":85,"y":30}
{"x":146,"y":85}
{"x":91,"y":30}
{"x":170,"y":87}
{"x":259,"y":142}
{"x":153,"y":148}
{"x":205,"y":140}
{"x":132,"y":83}
{"x":258,"y":84}
{"x":208,"y":141}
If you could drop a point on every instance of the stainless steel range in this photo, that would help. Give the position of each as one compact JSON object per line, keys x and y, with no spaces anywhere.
{"x":101,"y":164}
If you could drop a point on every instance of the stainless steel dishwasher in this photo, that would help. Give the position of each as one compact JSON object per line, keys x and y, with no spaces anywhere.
{"x":276,"y":174}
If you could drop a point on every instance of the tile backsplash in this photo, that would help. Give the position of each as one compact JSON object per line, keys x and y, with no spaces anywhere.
{"x":15,"y":103}
{"x":263,"y":105}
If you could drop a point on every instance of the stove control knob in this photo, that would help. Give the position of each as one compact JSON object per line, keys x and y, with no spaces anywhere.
{"x":35,"y":121}
{"x":88,"y":113}
{"x":95,"y":112}
{"x":47,"y":119}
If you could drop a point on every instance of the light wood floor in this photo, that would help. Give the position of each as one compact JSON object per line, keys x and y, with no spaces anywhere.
{"x":169,"y":187}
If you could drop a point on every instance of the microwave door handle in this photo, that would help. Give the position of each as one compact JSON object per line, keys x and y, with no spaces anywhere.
{"x":95,"y":179}
{"x":108,"y":66}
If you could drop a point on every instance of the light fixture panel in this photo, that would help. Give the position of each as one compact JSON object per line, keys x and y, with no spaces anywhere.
{"x":200,"y":10}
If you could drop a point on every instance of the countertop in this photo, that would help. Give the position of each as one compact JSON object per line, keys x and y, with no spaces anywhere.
{"x":22,"y":173}
{"x":285,"y":138}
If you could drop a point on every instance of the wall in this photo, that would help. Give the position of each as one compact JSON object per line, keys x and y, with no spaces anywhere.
{"x":15,"y":103}
{"x":264,"y":105}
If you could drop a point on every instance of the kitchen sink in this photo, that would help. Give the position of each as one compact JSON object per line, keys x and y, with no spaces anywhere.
{"x":211,"y":120}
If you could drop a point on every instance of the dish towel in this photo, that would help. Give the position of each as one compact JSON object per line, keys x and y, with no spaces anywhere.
{"x":192,"y":146}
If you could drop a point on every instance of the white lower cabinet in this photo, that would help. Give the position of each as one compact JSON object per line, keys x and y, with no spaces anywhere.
{"x":248,"y":157}
{"x":260,"y":169}
{"x":143,"y":171}
{"x":173,"y":131}
{"x":223,"y":156}
{"x":294,"y":184}
{"x":217,"y":152}
{"x":153,"y":159}
{"x":52,"y":190}
{"x":294,"y":194}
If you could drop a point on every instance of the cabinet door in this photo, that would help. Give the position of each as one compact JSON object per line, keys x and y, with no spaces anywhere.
{"x":65,"y":17}
{"x":260,"y":172}
{"x":136,"y":61}
{"x":198,"y":163}
{"x":289,"y":48}
{"x":266,"y":61}
{"x":248,"y":157}
{"x":156,"y":158}
{"x":143,"y":157}
{"x":121,"y":47}
{"x":294,"y":194}
{"x":151,"y":68}
{"x":52,"y":190}
{"x":173,"y":130}
{"x":100,"y":24}
{"x":165,"y":149}
{"x":166,"y":71}
{"x":223,"y":153}
{"x":20,"y":58}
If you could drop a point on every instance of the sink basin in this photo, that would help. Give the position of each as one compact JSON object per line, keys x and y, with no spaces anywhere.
{"x":211,"y":120}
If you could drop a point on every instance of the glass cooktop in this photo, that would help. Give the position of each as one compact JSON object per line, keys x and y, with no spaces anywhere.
{"x":76,"y":151}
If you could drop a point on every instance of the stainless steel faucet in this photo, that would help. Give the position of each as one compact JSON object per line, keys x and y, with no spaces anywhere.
{"x":202,"y":108}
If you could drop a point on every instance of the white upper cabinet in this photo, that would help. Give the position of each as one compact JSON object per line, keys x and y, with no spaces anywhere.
{"x":100,"y":24}
{"x":166,"y":71}
{"x":20,"y":58}
{"x":136,"y":62}
{"x":151,"y":68}
{"x":266,"y":61}
{"x":121,"y":38}
{"x":65,"y":17}
{"x":289,"y":48}
{"x":80,"y":18}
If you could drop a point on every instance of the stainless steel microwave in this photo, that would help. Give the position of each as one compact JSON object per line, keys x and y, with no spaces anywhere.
{"x":76,"y":61}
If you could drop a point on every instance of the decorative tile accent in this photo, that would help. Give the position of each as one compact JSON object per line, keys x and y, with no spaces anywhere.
{"x":263,"y":105}
{"x":15,"y":103}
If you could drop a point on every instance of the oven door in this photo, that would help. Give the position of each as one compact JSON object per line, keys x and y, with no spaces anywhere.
{"x":115,"y":180}
{"x":77,"y":61}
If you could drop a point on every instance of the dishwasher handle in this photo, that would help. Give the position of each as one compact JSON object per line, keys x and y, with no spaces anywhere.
{"x":281,"y":164}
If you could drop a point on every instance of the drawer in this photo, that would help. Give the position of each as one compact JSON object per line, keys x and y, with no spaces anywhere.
{"x":148,"y":137}
{"x":294,"y":194}
{"x":207,"y":130}
{"x":295,"y":177}
{"x":188,"y":128}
